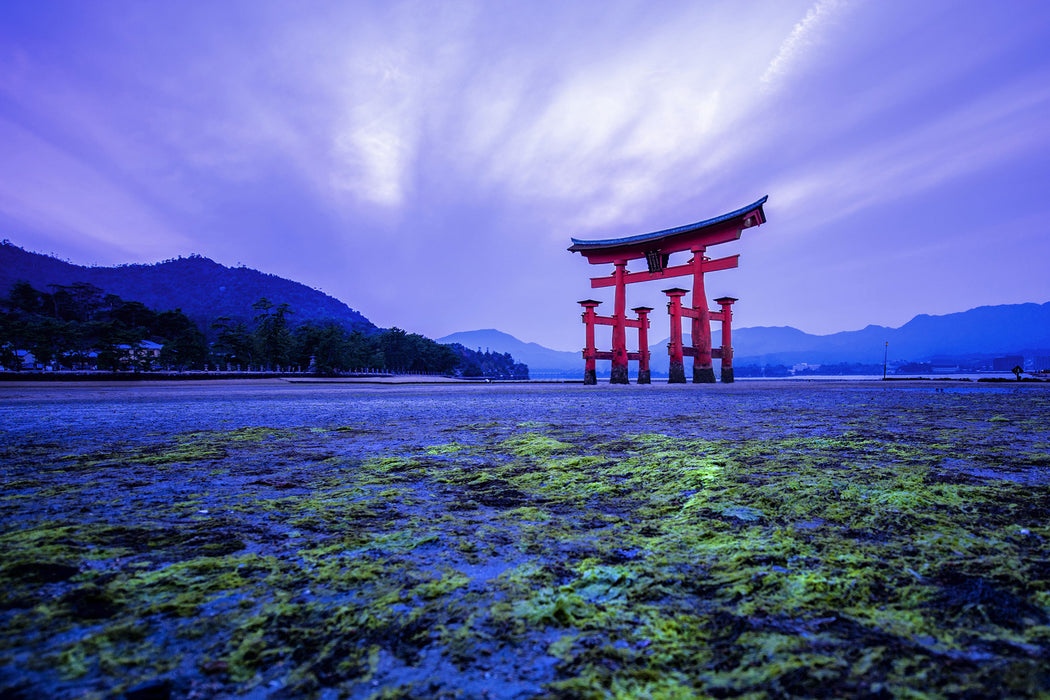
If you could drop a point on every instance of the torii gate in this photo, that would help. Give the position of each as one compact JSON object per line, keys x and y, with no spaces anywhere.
{"x":656,"y":248}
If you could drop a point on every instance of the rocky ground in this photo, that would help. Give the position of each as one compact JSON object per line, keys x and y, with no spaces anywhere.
{"x":268,"y":540}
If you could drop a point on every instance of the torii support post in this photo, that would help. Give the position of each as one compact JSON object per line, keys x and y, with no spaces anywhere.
{"x":643,"y":343}
{"x":727,"y":343}
{"x":590,"y":376}
{"x":676,"y":369}
{"x":703,"y":371}
{"x":618,"y":375}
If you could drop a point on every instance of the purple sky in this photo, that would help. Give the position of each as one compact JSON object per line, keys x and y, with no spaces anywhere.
{"x":427,"y":162}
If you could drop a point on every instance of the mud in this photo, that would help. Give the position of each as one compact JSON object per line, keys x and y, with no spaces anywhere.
{"x":781,"y":539}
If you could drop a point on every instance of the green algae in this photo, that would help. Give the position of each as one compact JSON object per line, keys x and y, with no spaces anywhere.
{"x":640,"y":565}
{"x":527,"y":514}
{"x":117,"y":650}
{"x":448,"y":448}
{"x":534,"y":445}
{"x":192,"y":452}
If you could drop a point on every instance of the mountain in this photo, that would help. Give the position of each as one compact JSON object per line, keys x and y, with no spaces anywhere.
{"x":202,"y":288}
{"x":205,"y":290}
{"x":1022,"y":329}
{"x":985,"y":330}
{"x":543,"y":362}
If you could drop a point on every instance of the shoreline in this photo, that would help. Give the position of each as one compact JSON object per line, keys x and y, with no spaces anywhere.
{"x":410,"y":381}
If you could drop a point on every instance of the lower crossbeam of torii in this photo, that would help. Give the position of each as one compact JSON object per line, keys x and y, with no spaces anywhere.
{"x":656,"y":248}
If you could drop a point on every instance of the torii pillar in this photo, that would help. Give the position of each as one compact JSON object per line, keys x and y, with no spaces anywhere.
{"x":643,"y":343}
{"x":703,"y":372}
{"x":676,"y":369}
{"x":590,"y":351}
{"x":618,"y":375}
{"x":727,"y":347}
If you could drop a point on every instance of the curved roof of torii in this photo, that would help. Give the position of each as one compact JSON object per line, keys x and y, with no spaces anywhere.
{"x":680,"y":235}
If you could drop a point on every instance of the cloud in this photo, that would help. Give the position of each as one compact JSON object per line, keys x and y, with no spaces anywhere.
{"x":386,"y":84}
{"x":44,"y":187}
{"x":989,"y":130}
{"x":806,"y":35}
{"x":617,"y":130}
{"x":441,"y":135}
{"x":376,"y":136}
{"x":594,"y":126}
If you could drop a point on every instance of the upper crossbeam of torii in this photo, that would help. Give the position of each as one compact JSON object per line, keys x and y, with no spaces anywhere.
{"x":656,"y":248}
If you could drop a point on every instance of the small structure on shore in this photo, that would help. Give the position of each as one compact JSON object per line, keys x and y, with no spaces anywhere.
{"x":656,"y":248}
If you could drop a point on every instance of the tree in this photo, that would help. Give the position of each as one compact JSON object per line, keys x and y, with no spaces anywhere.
{"x":79,"y":301}
{"x":273,"y":340}
{"x":359,"y":350}
{"x":107,"y":338}
{"x":471,"y":368}
{"x":12,"y":336}
{"x":133,"y":314}
{"x":77,"y":322}
{"x":234,"y":345}
{"x":23,"y":299}
{"x":185,"y":346}
{"x":327,"y":348}
{"x":47,"y":338}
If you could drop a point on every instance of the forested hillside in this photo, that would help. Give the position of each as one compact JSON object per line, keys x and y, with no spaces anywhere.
{"x":203,"y":289}
{"x":81,"y":326}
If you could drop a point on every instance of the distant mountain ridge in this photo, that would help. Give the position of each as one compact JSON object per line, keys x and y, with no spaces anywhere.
{"x":985,"y":330}
{"x":542,"y":362}
{"x":202,"y":288}
{"x":205,"y":290}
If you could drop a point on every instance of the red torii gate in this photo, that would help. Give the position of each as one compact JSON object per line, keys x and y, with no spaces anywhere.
{"x":656,"y":248}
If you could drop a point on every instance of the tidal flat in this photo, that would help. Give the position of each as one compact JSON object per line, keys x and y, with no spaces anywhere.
{"x":760,"y":539}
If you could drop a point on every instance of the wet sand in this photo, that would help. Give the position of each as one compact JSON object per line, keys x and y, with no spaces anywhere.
{"x":262,"y":538}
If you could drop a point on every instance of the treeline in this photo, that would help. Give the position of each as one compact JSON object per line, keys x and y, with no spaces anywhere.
{"x":81,"y":327}
{"x":328,"y":348}
{"x":836,"y":369}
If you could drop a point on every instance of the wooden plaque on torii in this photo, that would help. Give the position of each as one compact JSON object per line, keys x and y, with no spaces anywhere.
{"x":656,"y":248}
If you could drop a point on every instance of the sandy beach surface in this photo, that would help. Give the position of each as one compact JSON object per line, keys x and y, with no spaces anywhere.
{"x":269,"y":539}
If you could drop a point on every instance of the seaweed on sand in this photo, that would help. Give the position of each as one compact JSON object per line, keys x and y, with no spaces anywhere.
{"x":877,"y":558}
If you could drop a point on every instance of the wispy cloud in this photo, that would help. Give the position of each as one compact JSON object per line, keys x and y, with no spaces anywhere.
{"x":351,"y":107}
{"x":44,"y":187}
{"x":377,"y":134}
{"x":618,"y":129}
{"x":406,"y":128}
{"x":806,"y":35}
{"x":991,"y":130}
